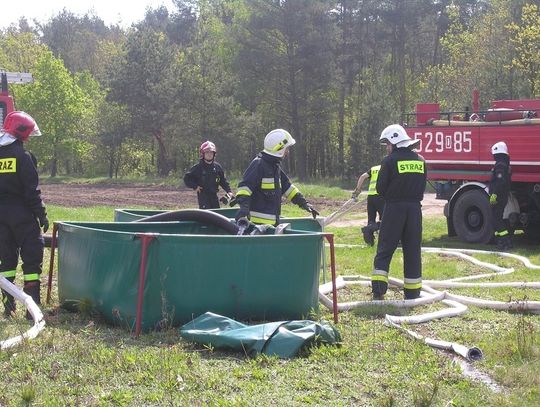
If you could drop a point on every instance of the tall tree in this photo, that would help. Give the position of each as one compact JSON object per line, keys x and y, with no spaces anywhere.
{"x":526,"y":40}
{"x":77,"y":39}
{"x":145,"y":83}
{"x":286,"y":62}
{"x":59,"y":106}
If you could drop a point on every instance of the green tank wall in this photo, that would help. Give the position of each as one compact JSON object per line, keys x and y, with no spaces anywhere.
{"x":191,"y":269}
{"x":129,"y":215}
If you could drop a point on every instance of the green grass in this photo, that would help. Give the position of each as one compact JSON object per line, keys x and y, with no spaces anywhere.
{"x":79,"y":360}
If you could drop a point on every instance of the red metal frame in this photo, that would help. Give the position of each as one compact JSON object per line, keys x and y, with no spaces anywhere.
{"x":51,"y":262}
{"x":330,"y":238}
{"x":146,"y":239}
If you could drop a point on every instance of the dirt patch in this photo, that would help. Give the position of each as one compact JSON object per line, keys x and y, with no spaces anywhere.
{"x":163,"y":197}
{"x":118,"y":195}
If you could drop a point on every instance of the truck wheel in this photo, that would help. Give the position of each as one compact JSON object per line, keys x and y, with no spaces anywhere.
{"x":472,"y":217}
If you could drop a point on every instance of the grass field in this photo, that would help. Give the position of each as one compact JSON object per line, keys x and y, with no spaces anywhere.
{"x":79,"y":360}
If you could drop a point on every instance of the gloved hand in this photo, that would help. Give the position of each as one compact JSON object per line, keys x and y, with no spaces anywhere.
{"x":242,"y":222}
{"x":308,"y":207}
{"x":242,"y":213}
{"x":493,"y":199}
{"x":198,"y":189}
{"x":354,"y":196}
{"x":44,"y":223}
{"x":229,"y":196}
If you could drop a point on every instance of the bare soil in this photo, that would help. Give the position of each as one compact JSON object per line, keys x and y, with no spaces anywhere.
{"x":163,"y":197}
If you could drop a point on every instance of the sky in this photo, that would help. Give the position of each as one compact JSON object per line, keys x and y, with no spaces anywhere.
{"x":123,"y":12}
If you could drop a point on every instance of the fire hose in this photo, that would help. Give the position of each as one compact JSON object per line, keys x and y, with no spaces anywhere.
{"x":457,"y":303}
{"x":33,"y":309}
{"x":345,"y":208}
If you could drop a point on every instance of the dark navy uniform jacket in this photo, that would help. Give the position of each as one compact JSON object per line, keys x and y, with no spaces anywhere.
{"x":262,"y":186}
{"x":19,"y":179}
{"x":209,"y":176}
{"x":402,"y":177}
{"x":501,"y":175}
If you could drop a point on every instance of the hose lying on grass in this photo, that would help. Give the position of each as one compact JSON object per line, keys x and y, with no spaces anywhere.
{"x":457,"y":304}
{"x":33,"y":309}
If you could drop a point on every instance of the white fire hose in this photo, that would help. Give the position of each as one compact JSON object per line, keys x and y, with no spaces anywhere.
{"x":33,"y":309}
{"x":345,"y":208}
{"x":457,"y":303}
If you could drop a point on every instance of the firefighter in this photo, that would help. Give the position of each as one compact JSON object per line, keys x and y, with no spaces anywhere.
{"x":401,"y":182}
{"x":206,"y":177}
{"x":264,"y":182}
{"x":375,"y":203}
{"x":22,"y":212}
{"x":499,"y":189}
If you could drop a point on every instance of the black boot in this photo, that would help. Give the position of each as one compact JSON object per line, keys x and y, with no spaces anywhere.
{"x":504,"y":243}
{"x":8,"y":301}
{"x":9,"y":304}
{"x":411,"y":294}
{"x":368,"y":233}
{"x":32,"y":288}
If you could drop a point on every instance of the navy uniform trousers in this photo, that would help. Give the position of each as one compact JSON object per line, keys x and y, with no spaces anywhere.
{"x":401,"y":221}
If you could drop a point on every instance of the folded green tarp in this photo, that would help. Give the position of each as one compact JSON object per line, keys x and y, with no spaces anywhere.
{"x":283,"y":339}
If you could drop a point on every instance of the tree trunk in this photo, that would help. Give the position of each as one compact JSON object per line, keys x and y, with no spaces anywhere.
{"x":341,"y":131}
{"x":54,"y":165}
{"x":163,"y":165}
{"x":301,"y":162}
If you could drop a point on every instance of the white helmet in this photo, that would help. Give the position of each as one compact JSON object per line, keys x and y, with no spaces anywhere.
{"x":499,"y":148}
{"x":395,"y":134}
{"x":277,"y":141}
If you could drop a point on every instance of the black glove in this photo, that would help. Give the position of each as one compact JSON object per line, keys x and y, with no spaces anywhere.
{"x":243,"y":212}
{"x":227,"y":198}
{"x":243,"y":222}
{"x":44,"y":222}
{"x":308,"y":207}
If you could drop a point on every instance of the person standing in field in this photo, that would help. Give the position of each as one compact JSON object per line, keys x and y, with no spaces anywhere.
{"x":264,"y":183}
{"x":22,"y":212}
{"x":206,"y":177}
{"x":401,"y":182}
{"x":499,"y":190}
{"x":375,"y":203}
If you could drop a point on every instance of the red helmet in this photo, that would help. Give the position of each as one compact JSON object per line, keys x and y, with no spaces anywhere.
{"x":20,"y":125}
{"x":207,"y":146}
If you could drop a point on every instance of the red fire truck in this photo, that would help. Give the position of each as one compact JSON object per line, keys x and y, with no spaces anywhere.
{"x":6,"y":101}
{"x":457,"y":149}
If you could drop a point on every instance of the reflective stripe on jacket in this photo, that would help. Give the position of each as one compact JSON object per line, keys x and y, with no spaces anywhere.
{"x":373,"y":175}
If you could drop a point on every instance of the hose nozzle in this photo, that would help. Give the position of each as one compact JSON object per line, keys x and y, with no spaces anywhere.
{"x":242,"y":223}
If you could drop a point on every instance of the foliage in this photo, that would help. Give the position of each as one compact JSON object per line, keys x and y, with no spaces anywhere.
{"x":59,"y":106}
{"x":526,"y":40}
{"x":333,"y":72}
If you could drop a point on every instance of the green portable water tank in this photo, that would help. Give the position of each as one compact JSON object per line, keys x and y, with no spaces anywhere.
{"x":191,"y":268}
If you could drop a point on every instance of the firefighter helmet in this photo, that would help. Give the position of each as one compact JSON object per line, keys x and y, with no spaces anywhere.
{"x":207,"y":146}
{"x":396,"y":135}
{"x":20,"y":125}
{"x":499,"y":148}
{"x":277,"y":141}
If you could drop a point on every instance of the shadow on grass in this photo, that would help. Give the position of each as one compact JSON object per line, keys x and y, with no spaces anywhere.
{"x":522,"y":244}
